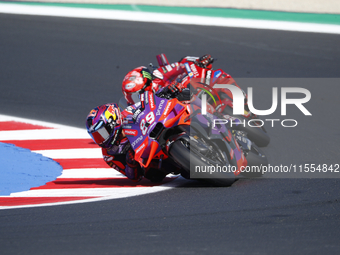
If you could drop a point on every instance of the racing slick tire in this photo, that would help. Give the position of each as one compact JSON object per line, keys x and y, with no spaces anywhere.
{"x":182,"y":155}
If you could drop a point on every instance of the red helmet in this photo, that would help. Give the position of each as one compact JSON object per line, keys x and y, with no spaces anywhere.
{"x":134,"y":81}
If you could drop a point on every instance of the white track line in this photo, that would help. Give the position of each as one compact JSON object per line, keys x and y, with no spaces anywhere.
{"x":57,"y":132}
{"x":167,"y":18}
{"x":65,"y":133}
{"x":71,"y":153}
{"x":87,"y":173}
{"x":113,"y":192}
{"x":164,"y":187}
{"x":4,"y":117}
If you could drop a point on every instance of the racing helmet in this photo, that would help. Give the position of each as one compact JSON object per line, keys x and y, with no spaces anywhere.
{"x":134,"y":81}
{"x":104,"y":124}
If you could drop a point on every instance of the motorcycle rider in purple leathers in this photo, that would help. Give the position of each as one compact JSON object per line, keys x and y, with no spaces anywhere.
{"x":104,"y":125}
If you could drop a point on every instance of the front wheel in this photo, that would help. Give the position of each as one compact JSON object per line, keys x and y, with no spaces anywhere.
{"x":189,"y":160}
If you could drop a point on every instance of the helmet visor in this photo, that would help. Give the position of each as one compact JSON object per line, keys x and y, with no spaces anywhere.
{"x":100,"y":136}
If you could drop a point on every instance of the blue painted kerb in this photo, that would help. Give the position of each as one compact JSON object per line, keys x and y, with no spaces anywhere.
{"x":21,"y":169}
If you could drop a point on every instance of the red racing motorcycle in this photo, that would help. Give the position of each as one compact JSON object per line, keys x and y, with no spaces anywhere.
{"x":202,"y":80}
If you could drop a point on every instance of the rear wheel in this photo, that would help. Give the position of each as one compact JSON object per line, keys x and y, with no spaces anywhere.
{"x":190,"y":158}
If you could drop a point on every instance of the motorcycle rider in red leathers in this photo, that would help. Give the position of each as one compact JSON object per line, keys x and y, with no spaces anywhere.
{"x":172,"y":75}
{"x":141,"y":78}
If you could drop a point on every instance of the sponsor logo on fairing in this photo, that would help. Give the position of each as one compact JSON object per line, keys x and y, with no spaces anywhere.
{"x":160,"y":107}
{"x":151,"y":102}
{"x":167,"y":108}
{"x":135,"y":142}
{"x":131,"y":132}
{"x":187,"y":67}
{"x":216,"y":75}
{"x":140,"y":148}
{"x":136,"y":114}
{"x":194,"y":69}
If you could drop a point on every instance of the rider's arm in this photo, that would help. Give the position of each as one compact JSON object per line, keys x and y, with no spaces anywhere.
{"x":133,"y":169}
{"x":204,"y":61}
{"x":165,"y":75}
{"x":120,"y":160}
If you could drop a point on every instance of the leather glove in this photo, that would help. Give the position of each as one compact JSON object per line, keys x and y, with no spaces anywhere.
{"x":130,"y":161}
{"x":175,"y":87}
{"x":132,"y":169}
{"x":205,"y":61}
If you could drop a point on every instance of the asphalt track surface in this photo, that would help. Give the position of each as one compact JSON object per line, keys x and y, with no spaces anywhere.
{"x":57,"y":69}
